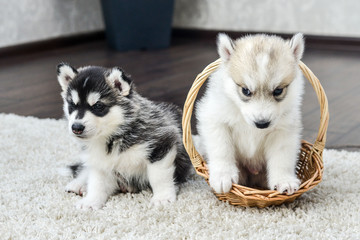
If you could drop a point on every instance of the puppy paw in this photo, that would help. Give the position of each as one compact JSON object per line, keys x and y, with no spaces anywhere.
{"x":221,"y":181}
{"x":87,"y":204}
{"x":286,"y":185}
{"x":75,"y":187}
{"x":163,"y":199}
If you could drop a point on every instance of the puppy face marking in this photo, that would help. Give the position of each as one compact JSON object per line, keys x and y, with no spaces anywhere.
{"x":94,"y":101}
{"x":93,"y":97}
{"x":262,"y":61}
{"x":85,"y":82}
{"x":75,"y":97}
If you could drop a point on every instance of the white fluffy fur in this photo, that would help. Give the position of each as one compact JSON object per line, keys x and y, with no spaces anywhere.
{"x":225,"y":46}
{"x":228,"y":137}
{"x":65,"y":76}
{"x":75,"y":96}
{"x":116,"y":75}
{"x":96,"y":180}
{"x":161,"y":176}
{"x":99,"y":184}
{"x":93,"y":98}
{"x":34,"y":204}
{"x":79,"y":184}
{"x":297,"y":45}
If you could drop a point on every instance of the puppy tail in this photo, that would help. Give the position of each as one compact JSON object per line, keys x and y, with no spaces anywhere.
{"x":71,"y":170}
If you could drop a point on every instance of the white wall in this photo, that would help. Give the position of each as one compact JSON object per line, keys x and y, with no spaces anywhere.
{"x":23,"y":21}
{"x":316,"y":17}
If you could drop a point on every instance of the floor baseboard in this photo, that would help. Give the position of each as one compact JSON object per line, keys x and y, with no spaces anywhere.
{"x":312,"y":41}
{"x":54,"y":43}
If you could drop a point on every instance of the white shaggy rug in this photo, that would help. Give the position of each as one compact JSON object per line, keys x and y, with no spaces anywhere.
{"x":34,"y":205}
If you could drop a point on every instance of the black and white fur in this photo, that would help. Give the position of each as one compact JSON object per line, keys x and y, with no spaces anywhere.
{"x":249,"y":120}
{"x":129,"y":142}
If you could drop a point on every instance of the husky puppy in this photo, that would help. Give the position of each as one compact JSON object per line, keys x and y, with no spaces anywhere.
{"x":129,"y":142}
{"x":249,"y":119}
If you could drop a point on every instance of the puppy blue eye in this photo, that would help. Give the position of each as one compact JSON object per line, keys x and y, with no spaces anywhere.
{"x":278,"y":92}
{"x":98,"y":106}
{"x":246,"y":92}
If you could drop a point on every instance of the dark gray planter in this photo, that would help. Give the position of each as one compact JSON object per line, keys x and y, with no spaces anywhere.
{"x":138,"y":24}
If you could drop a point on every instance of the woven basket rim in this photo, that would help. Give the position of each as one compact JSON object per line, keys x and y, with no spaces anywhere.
{"x":269,"y":197}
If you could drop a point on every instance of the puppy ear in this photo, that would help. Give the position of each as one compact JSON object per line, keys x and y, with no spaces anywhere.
{"x":65,"y":74}
{"x":225,"y":46}
{"x":297,"y":45}
{"x":119,"y":80}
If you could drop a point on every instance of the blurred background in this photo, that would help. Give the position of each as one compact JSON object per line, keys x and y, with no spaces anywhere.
{"x":164,"y":44}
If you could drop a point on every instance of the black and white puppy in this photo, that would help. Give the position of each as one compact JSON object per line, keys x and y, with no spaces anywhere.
{"x":129,"y":142}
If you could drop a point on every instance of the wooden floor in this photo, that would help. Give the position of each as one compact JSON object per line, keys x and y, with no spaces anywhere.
{"x":28,"y":84}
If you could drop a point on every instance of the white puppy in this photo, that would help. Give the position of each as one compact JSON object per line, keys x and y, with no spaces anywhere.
{"x":249,"y":119}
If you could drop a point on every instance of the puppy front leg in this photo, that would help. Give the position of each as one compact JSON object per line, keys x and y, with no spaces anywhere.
{"x":161,"y":179}
{"x":100,"y":186}
{"x":282,"y":155}
{"x":220,"y":151}
{"x":78,"y":184}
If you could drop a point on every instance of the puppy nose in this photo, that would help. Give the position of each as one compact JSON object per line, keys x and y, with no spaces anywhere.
{"x":262,"y":124}
{"x":77,"y":128}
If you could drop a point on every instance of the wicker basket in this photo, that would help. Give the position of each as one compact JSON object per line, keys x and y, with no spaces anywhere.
{"x":309,"y":167}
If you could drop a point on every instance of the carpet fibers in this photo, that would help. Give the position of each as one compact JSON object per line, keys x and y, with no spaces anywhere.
{"x":34,"y":205}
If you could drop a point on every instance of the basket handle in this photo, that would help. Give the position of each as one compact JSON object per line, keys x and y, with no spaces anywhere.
{"x":319,"y":144}
{"x":196,"y":158}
